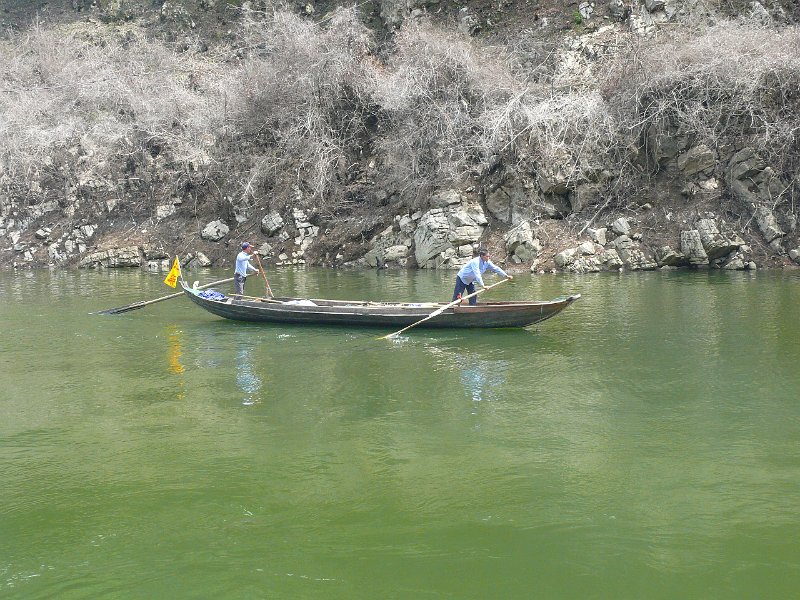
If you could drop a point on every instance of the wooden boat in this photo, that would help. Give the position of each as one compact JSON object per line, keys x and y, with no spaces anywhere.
{"x":383,"y":314}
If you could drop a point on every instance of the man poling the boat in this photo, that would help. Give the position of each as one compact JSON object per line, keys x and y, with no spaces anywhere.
{"x":472,"y":272}
{"x":242,"y":267}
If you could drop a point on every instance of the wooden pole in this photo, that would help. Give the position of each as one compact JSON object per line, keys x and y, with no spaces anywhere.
{"x":266,"y":282}
{"x":439,"y":311}
{"x":143,"y":303}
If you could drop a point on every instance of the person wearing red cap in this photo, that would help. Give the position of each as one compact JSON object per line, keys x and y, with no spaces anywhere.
{"x":243,"y":266}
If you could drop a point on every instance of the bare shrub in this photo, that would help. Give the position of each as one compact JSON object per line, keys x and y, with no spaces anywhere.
{"x":305,"y":94}
{"x":96,"y":99}
{"x":433,"y":94}
{"x":733,"y":82}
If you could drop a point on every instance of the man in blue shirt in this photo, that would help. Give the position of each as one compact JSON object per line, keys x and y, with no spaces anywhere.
{"x":242,"y":267}
{"x":471,"y":272}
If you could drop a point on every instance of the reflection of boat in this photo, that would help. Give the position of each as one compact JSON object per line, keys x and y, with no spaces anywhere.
{"x":384,"y":314}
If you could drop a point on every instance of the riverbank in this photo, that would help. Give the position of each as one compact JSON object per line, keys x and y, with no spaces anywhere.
{"x":622,"y":137}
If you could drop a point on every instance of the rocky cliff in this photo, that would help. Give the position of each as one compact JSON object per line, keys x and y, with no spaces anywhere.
{"x":397,"y":134}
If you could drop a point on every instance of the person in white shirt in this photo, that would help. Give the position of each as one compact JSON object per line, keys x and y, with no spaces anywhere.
{"x":471,"y":272}
{"x":243,"y":267}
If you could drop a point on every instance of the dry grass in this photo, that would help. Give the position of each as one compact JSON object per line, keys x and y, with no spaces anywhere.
{"x":306,"y":105}
{"x":735,"y":82}
{"x":305,"y":93}
{"x":71,"y":93}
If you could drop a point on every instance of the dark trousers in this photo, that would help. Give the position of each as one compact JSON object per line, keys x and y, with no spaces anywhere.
{"x":460,"y":287}
{"x":238,"y":285}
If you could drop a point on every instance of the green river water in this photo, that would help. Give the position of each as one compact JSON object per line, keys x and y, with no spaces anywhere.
{"x":645,"y":443}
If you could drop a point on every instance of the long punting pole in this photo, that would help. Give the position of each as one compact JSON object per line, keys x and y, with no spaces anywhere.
{"x":143,"y":303}
{"x":439,"y":311}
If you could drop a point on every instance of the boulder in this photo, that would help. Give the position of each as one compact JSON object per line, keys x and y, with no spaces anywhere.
{"x":745,"y":164}
{"x":697,"y":159}
{"x":635,"y":259}
{"x":407,"y":225}
{"x":612,"y":259}
{"x":565,"y":257}
{"x":598,"y":236}
{"x":214,"y":231}
{"x":395,"y":253}
{"x":271,"y":223}
{"x":667,"y":257}
{"x":585,"y":264}
{"x":445,"y":198}
{"x":585,"y":195}
{"x":154,"y":253}
{"x":520,"y":243}
{"x":463,"y":228}
{"x":734,"y":262}
{"x":621,"y":226}
{"x":692,"y":247}
{"x":129,"y":256}
{"x":157,"y":266}
{"x":165,"y":210}
{"x":514,"y":202}
{"x":662,"y":146}
{"x":431,"y":236}
{"x":767,"y":224}
{"x":623,"y":242}
{"x":714,"y":243}
{"x":552,"y":180}
{"x":197,"y":260}
{"x":500,"y":201}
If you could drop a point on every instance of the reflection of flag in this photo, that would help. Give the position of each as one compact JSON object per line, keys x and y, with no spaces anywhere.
{"x":174,"y":273}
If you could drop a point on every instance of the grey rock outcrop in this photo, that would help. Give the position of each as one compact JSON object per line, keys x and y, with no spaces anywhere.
{"x":129,"y":256}
{"x":214,"y":231}
{"x":196,"y":260}
{"x":697,"y":159}
{"x":692,"y":247}
{"x":442,"y":235}
{"x":271,"y":223}
{"x":598,"y":236}
{"x":585,"y":195}
{"x":734,"y":262}
{"x":714,"y":243}
{"x":430,"y":237}
{"x":757,"y":185}
{"x":667,"y":257}
{"x":588,"y":258}
{"x":621,"y":226}
{"x":514,"y":202}
{"x":632,"y":256}
{"x":521,"y":245}
{"x":767,"y":224}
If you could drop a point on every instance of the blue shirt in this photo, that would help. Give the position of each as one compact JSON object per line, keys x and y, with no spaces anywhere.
{"x":243,"y":263}
{"x":473,"y":270}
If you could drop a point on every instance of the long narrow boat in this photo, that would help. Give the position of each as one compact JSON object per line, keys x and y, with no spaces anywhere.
{"x":383,"y":314}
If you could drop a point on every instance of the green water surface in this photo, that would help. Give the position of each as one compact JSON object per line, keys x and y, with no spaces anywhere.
{"x":643,"y":444}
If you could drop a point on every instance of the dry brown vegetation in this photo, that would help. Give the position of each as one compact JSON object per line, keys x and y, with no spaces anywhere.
{"x":731,"y":82}
{"x":307,"y":106}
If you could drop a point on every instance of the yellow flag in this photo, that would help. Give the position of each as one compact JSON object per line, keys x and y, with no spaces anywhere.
{"x":174,"y":273}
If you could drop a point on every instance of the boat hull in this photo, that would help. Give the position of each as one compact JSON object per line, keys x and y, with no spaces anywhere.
{"x":382,"y":314}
